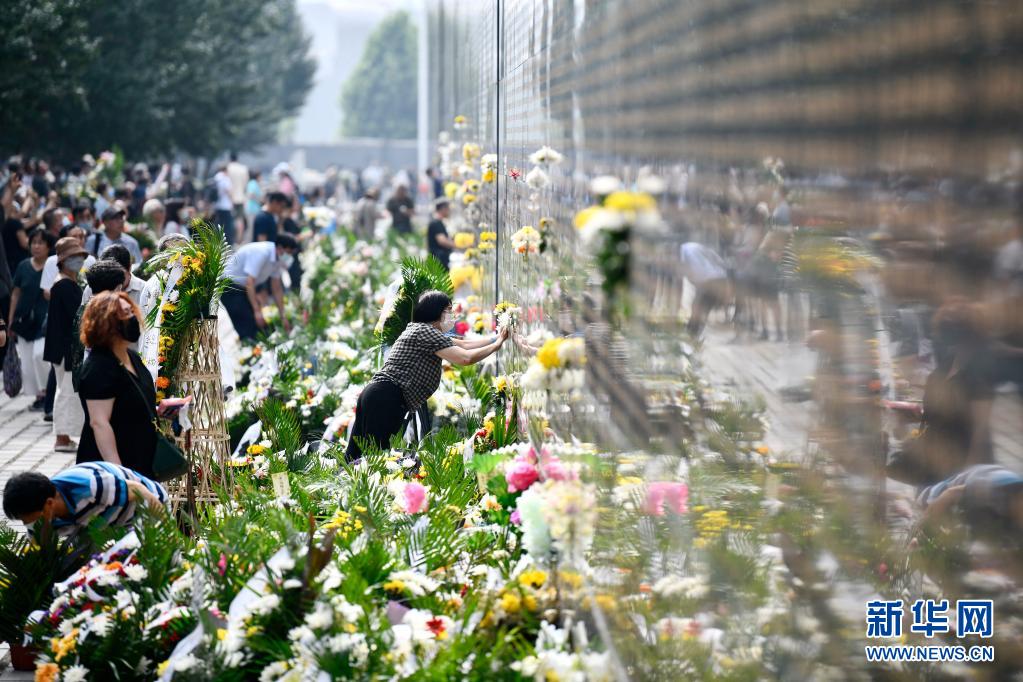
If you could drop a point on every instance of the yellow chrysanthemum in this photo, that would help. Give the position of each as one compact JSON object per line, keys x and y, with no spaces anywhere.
{"x":489,"y":175}
{"x":450,"y":190}
{"x":548,"y":354}
{"x":584,"y":216}
{"x":630,"y":201}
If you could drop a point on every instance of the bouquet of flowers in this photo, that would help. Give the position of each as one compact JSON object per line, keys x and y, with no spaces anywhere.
{"x":557,"y":366}
{"x":526,"y":241}
{"x":508,"y":315}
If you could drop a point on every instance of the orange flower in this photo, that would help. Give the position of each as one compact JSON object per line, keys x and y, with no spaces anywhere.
{"x":46,"y":672}
{"x":162,"y":382}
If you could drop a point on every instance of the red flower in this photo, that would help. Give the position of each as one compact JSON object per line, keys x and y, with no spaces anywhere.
{"x":461,"y":328}
{"x":515,"y":173}
{"x":436,"y":626}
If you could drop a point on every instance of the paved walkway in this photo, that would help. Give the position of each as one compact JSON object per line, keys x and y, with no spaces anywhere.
{"x":26,"y":444}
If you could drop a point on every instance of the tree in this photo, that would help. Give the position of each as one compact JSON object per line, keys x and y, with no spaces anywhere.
{"x":379,"y":98}
{"x":43,"y":49}
{"x":153,"y":77}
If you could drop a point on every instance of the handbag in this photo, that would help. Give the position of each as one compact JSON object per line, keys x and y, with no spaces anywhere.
{"x":169,"y":461}
{"x":12,"y":371}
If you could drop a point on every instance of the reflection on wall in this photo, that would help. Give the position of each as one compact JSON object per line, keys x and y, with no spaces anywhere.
{"x":844,"y":175}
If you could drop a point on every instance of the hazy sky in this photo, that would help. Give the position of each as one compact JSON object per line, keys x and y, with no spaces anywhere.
{"x":339,"y":29}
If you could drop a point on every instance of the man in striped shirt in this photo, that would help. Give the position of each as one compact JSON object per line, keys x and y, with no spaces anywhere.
{"x":77,"y":495}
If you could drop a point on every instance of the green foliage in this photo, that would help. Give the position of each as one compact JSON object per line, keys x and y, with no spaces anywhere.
{"x":195,"y":76}
{"x":33,"y":567}
{"x":379,"y":98}
{"x":418,"y":276}
{"x":202,"y":283}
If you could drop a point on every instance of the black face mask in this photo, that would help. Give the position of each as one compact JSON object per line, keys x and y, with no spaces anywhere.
{"x":130,"y":329}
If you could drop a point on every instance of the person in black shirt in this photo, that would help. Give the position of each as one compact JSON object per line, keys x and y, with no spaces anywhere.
{"x":401,"y":208}
{"x":114,"y":387}
{"x":65,"y":297}
{"x":15,"y":243}
{"x":436,"y":182}
{"x":438,"y":243}
{"x":264,"y":226}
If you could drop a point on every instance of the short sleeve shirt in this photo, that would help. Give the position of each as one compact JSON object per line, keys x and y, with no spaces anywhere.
{"x":413,"y":363}
{"x":257,"y":260}
{"x":102,"y":378}
{"x":100,"y":489}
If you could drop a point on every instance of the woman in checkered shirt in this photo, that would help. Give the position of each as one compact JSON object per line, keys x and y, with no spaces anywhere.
{"x":412,"y":372}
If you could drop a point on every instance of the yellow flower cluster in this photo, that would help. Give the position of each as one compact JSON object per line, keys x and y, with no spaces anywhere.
{"x":468,"y":199}
{"x":255,"y":449}
{"x":470,"y":274}
{"x":471,"y":186}
{"x":489,"y":175}
{"x":165,"y":343}
{"x":548,"y":354}
{"x":630,"y":202}
{"x":460,"y":120}
{"x":396,"y":586}
{"x":470,"y":152}
{"x":534,"y":578}
{"x":65,"y":645}
{"x":501,"y":384}
{"x":487,"y":240}
{"x":450,"y":190}
{"x":463,"y":240}
{"x":711,"y":525}
{"x":345,"y":524}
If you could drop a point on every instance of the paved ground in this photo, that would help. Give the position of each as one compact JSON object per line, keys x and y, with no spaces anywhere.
{"x":26,"y":444}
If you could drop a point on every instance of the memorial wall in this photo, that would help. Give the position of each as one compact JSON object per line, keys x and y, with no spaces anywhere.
{"x":845,"y":177}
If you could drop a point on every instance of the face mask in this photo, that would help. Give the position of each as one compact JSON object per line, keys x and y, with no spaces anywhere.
{"x":287,"y":260}
{"x":447,"y":323}
{"x":130,"y":329}
{"x":75,"y":263}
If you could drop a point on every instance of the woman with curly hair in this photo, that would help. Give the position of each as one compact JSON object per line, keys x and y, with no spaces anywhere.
{"x":114,"y":385}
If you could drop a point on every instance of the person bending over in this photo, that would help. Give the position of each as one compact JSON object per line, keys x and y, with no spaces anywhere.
{"x":79,"y":494}
{"x":412,"y":372}
{"x":252,"y":265}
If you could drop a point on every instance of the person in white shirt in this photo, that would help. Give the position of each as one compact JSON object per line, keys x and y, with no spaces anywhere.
{"x":239,"y":174}
{"x":707,"y":272}
{"x":223,"y":214}
{"x":50,"y":269}
{"x":113,"y":233}
{"x":252,"y":265}
{"x":133,"y":286}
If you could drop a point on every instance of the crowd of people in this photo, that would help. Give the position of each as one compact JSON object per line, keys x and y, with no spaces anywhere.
{"x":74,"y":292}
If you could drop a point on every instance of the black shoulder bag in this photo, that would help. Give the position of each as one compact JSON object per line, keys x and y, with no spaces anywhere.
{"x":168,"y":460}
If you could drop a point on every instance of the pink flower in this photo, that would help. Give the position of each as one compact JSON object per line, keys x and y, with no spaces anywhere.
{"x":675,"y":495}
{"x":516,"y":518}
{"x":554,"y":470}
{"x":415,"y":498}
{"x":520,"y":475}
{"x":530,"y":456}
{"x":222,"y":564}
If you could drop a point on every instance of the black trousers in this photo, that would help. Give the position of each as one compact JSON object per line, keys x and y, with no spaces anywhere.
{"x":379,"y":414}
{"x":236,"y":302}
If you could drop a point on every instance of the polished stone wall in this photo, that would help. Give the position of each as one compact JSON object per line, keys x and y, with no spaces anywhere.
{"x":898,"y":117}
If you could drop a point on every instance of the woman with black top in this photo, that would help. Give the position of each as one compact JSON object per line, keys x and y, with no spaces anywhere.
{"x":65,"y":297}
{"x":412,"y":372}
{"x":27,"y":317}
{"x":114,"y":386}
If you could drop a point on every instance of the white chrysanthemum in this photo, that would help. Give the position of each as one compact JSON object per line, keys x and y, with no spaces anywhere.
{"x":605,"y":184}
{"x":545,"y":155}
{"x":264,"y":605}
{"x":537,"y":178}
{"x":135,"y":572}
{"x":536,"y":536}
{"x":321,"y":617}
{"x":76,"y":673}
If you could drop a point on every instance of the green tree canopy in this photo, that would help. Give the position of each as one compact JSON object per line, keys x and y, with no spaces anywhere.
{"x":153,"y":77}
{"x":379,"y":98}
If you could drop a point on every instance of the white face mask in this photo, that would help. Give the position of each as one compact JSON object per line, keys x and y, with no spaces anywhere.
{"x":287,"y":260}
{"x":447,"y":322}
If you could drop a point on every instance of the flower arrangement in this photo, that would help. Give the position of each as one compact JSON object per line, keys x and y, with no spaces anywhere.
{"x":464,"y":240}
{"x":488,"y":240}
{"x":198,"y":282}
{"x":557,"y":366}
{"x":507,"y":315}
{"x":460,"y":122}
{"x":545,"y":156}
{"x":526,"y":241}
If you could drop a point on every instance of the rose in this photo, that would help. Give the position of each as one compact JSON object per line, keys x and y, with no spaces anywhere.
{"x":415,"y":499}
{"x":520,"y":474}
